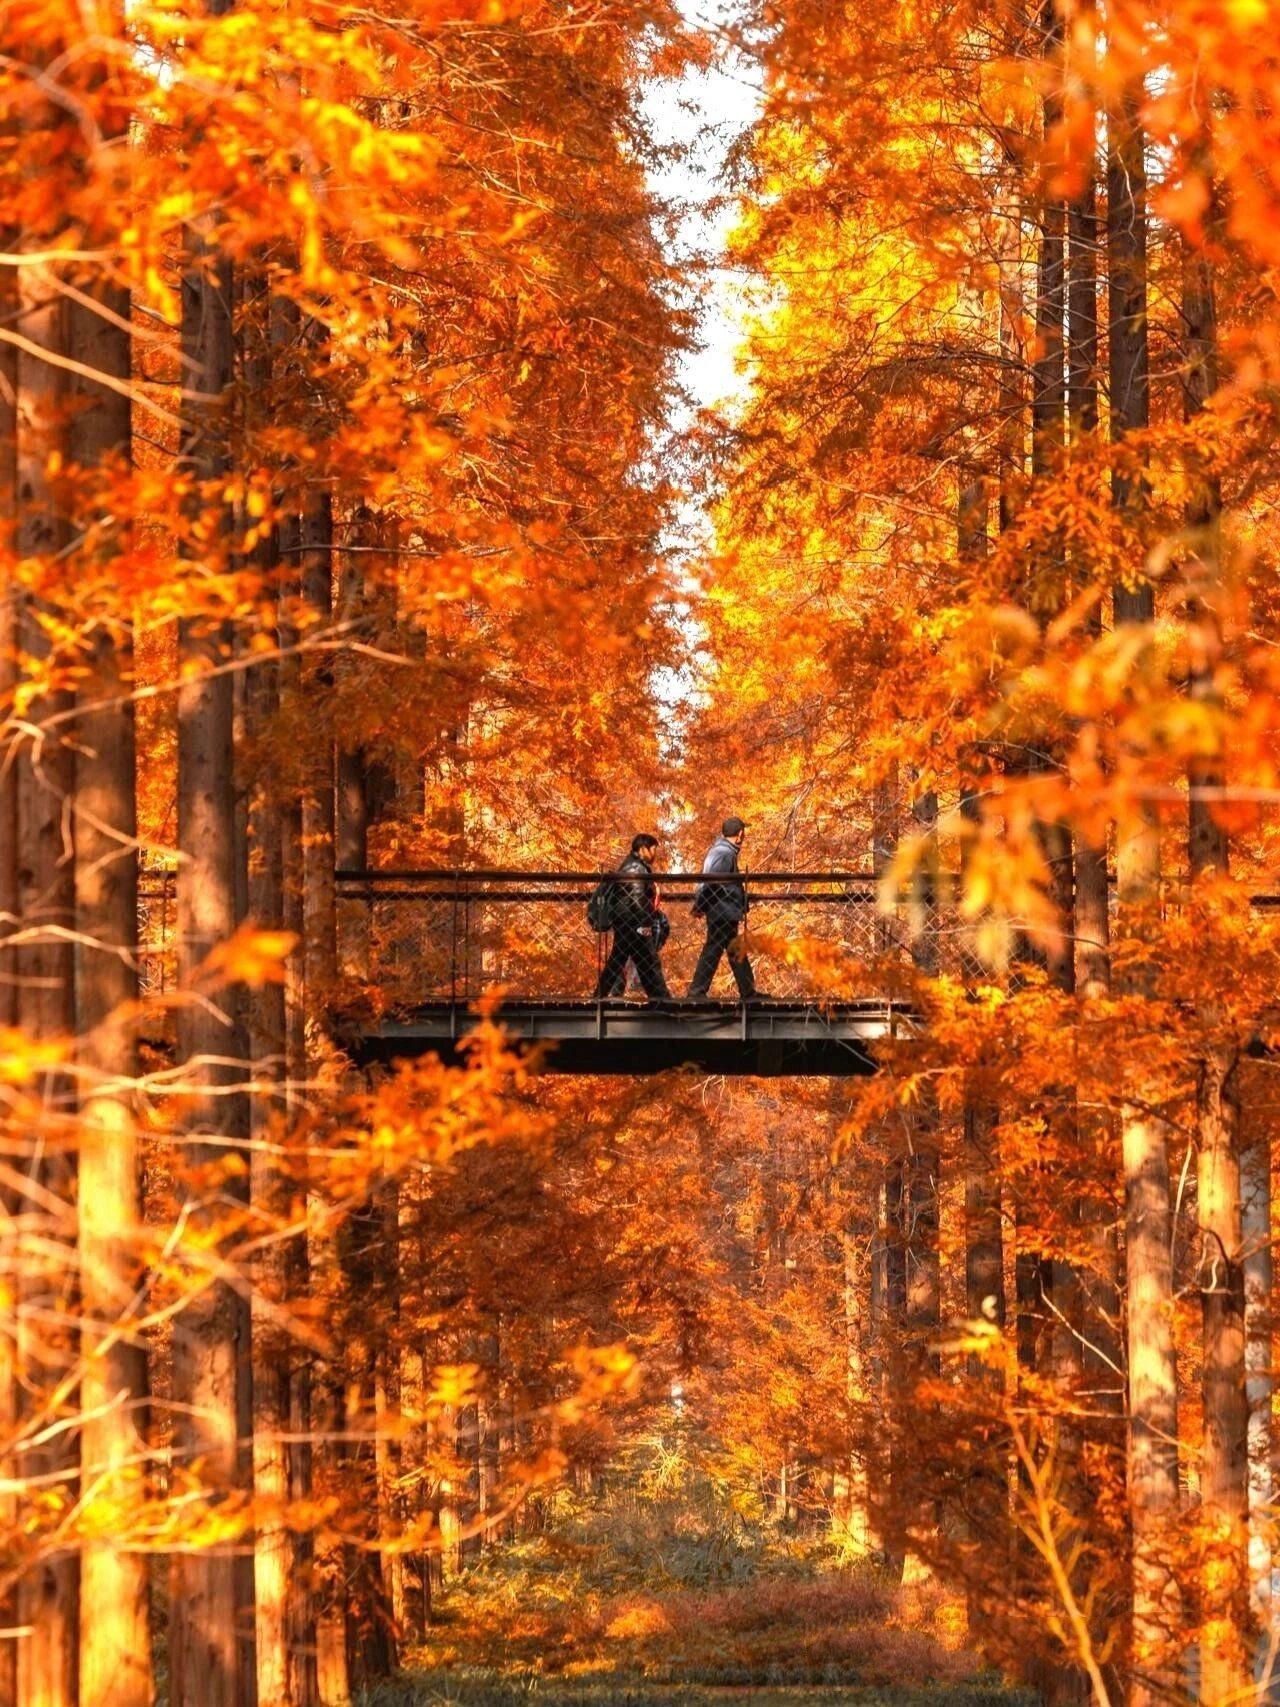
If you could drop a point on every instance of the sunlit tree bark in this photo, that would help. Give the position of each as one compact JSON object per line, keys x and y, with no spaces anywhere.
{"x":47,"y":1661}
{"x":115,"y":1632}
{"x":1226,"y":1672}
{"x":1153,"y":1399}
{"x":9,"y":607}
{"x":1255,"y":1227}
{"x":211,"y":1336}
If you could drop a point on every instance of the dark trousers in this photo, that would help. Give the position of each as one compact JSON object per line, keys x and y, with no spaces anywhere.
{"x":630,"y":945}
{"x":722,"y":937}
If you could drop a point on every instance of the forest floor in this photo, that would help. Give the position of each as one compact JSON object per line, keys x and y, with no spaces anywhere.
{"x":666,"y":1587}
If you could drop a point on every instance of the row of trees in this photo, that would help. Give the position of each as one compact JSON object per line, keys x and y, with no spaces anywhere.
{"x":1006,"y":472}
{"x":332,"y":348}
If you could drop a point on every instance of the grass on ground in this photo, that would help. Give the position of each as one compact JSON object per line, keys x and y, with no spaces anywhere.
{"x":666,"y":1587}
{"x":469,"y":1689}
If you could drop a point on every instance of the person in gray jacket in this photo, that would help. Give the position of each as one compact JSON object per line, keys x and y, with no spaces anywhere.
{"x":721,"y":899}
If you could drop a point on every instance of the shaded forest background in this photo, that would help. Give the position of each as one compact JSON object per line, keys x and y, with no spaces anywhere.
{"x":338,"y":367}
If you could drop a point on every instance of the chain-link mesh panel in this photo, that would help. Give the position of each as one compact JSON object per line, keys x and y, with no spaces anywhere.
{"x":157,"y":941}
{"x":427,"y":939}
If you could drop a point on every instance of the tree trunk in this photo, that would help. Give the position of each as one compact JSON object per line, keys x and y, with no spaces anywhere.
{"x":1153,"y":1403}
{"x":211,"y":1336}
{"x":352,"y":827}
{"x":412,"y":1403}
{"x":1226,"y":1673}
{"x":272,"y":1198}
{"x":852,"y":1512}
{"x":1128,"y":358}
{"x":984,"y":1229}
{"x":1255,"y":1226}
{"x":334,"y":1674}
{"x":1082,"y":273}
{"x":884,"y":847}
{"x":304,"y":1646}
{"x":1011,"y":402}
{"x":387,"y":1463}
{"x":1049,"y":395}
{"x":9,"y":608}
{"x":1153,"y":1397}
{"x":47,"y":1662}
{"x":1207,"y":840}
{"x":318,"y":814}
{"x":983,"y":1226}
{"x":115,"y":1635}
{"x":1101,"y":1353}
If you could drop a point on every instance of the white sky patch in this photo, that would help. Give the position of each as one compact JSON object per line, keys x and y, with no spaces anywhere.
{"x":703,"y":113}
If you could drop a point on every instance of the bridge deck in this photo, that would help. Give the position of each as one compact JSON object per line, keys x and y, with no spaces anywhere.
{"x":765,"y":1039}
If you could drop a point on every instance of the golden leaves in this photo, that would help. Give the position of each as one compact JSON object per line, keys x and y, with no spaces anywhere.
{"x":24,"y":1058}
{"x":252,"y":957}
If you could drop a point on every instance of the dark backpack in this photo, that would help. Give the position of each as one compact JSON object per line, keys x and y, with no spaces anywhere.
{"x":600,"y":906}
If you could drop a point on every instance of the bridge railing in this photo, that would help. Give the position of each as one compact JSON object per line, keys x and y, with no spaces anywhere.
{"x":429,"y":936}
{"x":424,"y":936}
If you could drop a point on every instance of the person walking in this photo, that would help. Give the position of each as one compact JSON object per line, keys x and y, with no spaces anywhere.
{"x":721,"y":899}
{"x":634,"y":922}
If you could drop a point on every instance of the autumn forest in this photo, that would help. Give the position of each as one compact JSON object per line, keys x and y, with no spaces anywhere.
{"x":373,"y":569}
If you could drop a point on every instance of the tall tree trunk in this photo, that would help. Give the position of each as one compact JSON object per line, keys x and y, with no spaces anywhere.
{"x":352,"y":811}
{"x":1011,"y":404}
{"x":1048,"y":437}
{"x":279,"y":1564}
{"x":1207,"y":839}
{"x":115,"y":1636}
{"x":303,"y":1641}
{"x":1153,"y":1396}
{"x":1049,"y":394}
{"x":1128,"y":357}
{"x":1255,"y":1226}
{"x":852,"y":1513}
{"x":924,"y":1160}
{"x":490,"y":1461}
{"x":1034,"y":1269}
{"x":889,"y":1272}
{"x":412,"y":1377}
{"x":318,"y":801}
{"x":10,"y":605}
{"x":273,"y":1204}
{"x":334,"y":1674}
{"x":983,"y":1226}
{"x":47,"y":1612}
{"x":1082,"y":259}
{"x":367,"y":1246}
{"x":387,"y":1462}
{"x":1226,"y":1672}
{"x":212,"y":1335}
{"x":1100,"y":1298}
{"x":9,"y":609}
{"x":386,"y":1399}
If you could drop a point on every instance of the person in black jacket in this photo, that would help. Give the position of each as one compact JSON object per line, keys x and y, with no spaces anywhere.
{"x":634,"y":924}
{"x":721,"y":899}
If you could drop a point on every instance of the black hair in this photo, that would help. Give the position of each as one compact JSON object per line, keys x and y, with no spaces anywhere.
{"x":643,"y":840}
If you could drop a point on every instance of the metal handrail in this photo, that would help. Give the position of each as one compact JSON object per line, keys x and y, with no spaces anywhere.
{"x":396,"y":874}
{"x":668,"y":886}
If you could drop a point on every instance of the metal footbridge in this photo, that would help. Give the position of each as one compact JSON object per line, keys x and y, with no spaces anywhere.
{"x":441,"y":946}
